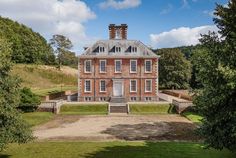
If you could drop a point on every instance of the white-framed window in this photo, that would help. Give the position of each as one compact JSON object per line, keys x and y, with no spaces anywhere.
{"x":133,"y":49}
{"x":117,"y":49}
{"x":148,"y":85}
{"x":103,"y":65}
{"x":102,"y":86}
{"x":118,"y":66}
{"x":133,"y":85}
{"x":133,"y":66}
{"x":87,"y":86}
{"x":101,"y":49}
{"x":148,"y":66}
{"x":87,"y":66}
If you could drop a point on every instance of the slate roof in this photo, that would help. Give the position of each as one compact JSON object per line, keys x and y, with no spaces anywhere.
{"x":125,"y":46}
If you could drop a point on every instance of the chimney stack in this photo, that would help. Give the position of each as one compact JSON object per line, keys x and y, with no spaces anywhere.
{"x":118,"y":31}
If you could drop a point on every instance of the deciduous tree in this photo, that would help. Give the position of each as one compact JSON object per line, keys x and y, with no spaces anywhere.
{"x":12,"y":127}
{"x":216,"y":70}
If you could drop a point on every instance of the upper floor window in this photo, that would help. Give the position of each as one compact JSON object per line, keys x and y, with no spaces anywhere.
{"x":133,"y":66}
{"x":102,"y":86}
{"x":103,"y":66}
{"x":133,"y":85}
{"x":148,"y":85}
{"x":117,"y":49}
{"x":87,"y":66}
{"x":117,"y":66}
{"x":148,"y":66}
{"x":101,"y":49}
{"x":87,"y":86}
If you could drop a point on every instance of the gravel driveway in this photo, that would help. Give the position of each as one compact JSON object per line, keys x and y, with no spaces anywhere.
{"x":117,"y":127}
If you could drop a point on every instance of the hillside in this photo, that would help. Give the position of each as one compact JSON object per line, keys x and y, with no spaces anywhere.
{"x":44,"y":79}
{"x":27,"y":45}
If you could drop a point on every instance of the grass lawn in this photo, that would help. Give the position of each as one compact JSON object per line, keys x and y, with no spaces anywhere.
{"x":46,"y":91}
{"x":36,"y":118}
{"x":95,"y":109}
{"x":112,"y":150}
{"x":193,"y":117}
{"x":151,"y":108}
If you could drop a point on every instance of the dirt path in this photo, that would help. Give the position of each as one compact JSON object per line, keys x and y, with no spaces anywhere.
{"x":130,"y":127}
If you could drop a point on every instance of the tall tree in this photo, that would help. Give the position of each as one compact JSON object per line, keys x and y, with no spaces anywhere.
{"x":174,"y":69}
{"x":69,"y":58}
{"x":60,"y":44}
{"x":12,"y":127}
{"x":216,"y":71}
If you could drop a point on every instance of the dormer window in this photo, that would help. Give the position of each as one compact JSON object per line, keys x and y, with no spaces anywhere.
{"x":133,"y":49}
{"x":101,"y":49}
{"x":117,"y":49}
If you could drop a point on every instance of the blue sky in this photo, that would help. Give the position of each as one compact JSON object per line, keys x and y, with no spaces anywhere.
{"x":157,"y":23}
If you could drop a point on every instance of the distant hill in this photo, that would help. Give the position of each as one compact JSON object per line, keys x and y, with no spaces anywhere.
{"x":27,"y":46}
{"x":42,"y":77}
{"x":186,"y":50}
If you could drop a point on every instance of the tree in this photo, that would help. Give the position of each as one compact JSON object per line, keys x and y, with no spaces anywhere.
{"x":61,"y":44}
{"x":216,"y":70}
{"x":69,"y":58}
{"x":28,"y":100}
{"x":174,"y":69}
{"x":12,"y":126}
{"x":27,"y":46}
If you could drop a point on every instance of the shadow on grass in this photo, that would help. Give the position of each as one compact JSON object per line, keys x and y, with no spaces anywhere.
{"x":159,"y":150}
{"x":182,"y":131}
{"x":4,"y":156}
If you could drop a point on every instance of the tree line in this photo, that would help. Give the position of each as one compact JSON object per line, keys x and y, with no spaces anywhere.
{"x":30,"y":47}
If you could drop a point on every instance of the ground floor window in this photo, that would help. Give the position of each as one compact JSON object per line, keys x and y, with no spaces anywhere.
{"x":148,"y":85}
{"x":133,"y":85}
{"x":102,"y":86}
{"x":87,"y":86}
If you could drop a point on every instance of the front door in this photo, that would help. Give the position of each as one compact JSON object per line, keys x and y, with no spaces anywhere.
{"x":117,"y":88}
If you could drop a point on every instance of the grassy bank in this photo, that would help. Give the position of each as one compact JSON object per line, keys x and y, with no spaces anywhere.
{"x":43,"y":76}
{"x":194,"y":117}
{"x":96,"y":109}
{"x":151,"y":109}
{"x":36,"y":118}
{"x":112,"y":149}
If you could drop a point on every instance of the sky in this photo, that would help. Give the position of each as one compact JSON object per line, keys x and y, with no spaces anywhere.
{"x":157,"y":23}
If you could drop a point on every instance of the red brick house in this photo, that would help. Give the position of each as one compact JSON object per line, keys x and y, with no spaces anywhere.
{"x":118,"y":68}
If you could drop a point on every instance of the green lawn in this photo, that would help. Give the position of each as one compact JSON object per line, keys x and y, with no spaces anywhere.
{"x":193,"y":117}
{"x":46,"y":91}
{"x":112,"y":150}
{"x":151,"y":108}
{"x":36,"y":118}
{"x":85,"y":109}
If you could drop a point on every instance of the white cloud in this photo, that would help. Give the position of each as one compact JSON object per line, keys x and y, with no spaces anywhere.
{"x":48,"y":17}
{"x":124,"y":4}
{"x":182,"y":36}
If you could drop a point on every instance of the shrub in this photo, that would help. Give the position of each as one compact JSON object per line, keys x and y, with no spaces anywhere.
{"x":28,"y":100}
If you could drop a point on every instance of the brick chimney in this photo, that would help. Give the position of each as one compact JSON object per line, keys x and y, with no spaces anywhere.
{"x":118,"y":31}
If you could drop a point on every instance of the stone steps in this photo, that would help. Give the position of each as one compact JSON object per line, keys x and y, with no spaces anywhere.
{"x":118,"y":100}
{"x":119,"y":109}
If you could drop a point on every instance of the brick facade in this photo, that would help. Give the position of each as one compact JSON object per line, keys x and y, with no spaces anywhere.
{"x":125,"y":76}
